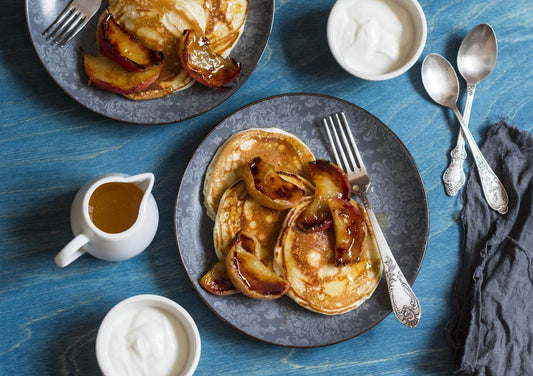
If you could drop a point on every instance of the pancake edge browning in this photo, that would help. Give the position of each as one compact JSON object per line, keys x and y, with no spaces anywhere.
{"x":210,"y":201}
{"x":219,"y":242}
{"x":280,"y":266}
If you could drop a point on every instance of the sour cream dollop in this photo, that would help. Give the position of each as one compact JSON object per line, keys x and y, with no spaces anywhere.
{"x":147,"y":341}
{"x":371,"y":36}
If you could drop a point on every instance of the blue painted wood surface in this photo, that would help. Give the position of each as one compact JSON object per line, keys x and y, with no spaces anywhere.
{"x":50,"y":146}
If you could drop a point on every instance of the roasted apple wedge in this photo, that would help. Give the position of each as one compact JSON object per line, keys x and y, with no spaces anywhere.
{"x":203,"y":64}
{"x":110,"y":76}
{"x":350,"y":231}
{"x":269,"y":188}
{"x":250,"y":276}
{"x":217,"y":280}
{"x":124,"y":48}
{"x":330,"y":181}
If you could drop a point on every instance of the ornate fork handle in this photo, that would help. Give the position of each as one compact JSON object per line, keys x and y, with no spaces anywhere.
{"x":404,"y":302}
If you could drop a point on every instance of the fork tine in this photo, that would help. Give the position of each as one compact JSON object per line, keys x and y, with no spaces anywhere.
{"x":73,"y":30}
{"x":352,"y":141}
{"x":346,"y":144}
{"x":332,"y":144}
{"x":78,"y":29}
{"x":67,"y":29}
{"x":346,"y":167}
{"x":59,"y":19}
{"x":67,"y":22}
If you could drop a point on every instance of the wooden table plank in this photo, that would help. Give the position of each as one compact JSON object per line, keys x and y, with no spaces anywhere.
{"x":50,"y":146}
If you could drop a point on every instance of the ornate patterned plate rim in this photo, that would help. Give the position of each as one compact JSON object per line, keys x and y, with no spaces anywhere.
{"x":178,"y":223}
{"x":154,"y":111}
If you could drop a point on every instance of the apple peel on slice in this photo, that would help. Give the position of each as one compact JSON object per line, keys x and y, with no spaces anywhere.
{"x":108,"y":75}
{"x":124,"y":48}
{"x":269,"y":188}
{"x":329,"y":181}
{"x":203,"y":64}
{"x":350,"y":231}
{"x":250,"y":276}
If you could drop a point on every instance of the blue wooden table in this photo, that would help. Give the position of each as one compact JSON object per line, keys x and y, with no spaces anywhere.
{"x":50,"y":146}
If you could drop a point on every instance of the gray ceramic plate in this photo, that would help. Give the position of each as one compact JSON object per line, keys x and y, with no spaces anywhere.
{"x":399,"y":198}
{"x":65,"y":67}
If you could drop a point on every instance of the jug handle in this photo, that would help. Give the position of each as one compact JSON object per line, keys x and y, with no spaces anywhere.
{"x":71,"y":251}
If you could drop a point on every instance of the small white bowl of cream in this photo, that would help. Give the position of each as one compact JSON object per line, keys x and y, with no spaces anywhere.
{"x":148,"y":335}
{"x":376,"y":39}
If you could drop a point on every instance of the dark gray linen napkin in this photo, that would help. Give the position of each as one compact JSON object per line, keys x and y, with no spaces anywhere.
{"x":491,"y":329}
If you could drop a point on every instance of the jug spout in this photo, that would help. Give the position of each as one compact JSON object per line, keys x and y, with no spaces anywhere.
{"x":144,"y":181}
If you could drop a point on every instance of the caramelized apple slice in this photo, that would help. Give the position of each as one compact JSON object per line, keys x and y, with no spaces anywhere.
{"x":250,"y":276}
{"x":204,"y":65}
{"x":124,"y":48}
{"x":109,"y":75}
{"x":268,"y":187}
{"x":309,"y":189}
{"x":350,"y":231}
{"x":330,"y":181}
{"x":217,"y":280}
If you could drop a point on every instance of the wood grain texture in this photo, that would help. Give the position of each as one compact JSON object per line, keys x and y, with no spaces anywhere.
{"x":50,"y":146}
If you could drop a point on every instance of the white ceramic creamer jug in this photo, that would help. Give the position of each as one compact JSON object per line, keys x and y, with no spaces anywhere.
{"x":91,"y":236}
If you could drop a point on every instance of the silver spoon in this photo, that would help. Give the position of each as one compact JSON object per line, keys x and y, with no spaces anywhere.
{"x":475,"y":60}
{"x":442,"y":85}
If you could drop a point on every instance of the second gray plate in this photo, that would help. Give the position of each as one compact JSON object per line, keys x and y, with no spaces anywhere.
{"x":66,"y":68}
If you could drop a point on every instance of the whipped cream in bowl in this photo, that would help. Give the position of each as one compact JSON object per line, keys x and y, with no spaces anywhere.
{"x":376,"y":39}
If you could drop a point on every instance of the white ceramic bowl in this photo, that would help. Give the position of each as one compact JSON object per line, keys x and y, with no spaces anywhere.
{"x":413,"y":8}
{"x":116,"y":316}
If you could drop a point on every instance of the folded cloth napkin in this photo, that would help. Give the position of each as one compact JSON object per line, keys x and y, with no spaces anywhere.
{"x":491,"y":329}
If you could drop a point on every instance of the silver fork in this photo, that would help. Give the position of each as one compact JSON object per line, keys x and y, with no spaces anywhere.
{"x":69,"y":22}
{"x":403,"y":300}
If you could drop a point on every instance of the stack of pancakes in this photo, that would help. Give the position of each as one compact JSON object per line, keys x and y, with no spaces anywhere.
{"x":305,"y":259}
{"x":159,"y":24}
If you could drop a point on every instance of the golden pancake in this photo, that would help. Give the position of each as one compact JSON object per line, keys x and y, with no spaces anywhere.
{"x":240,"y":212}
{"x":160,"y":23}
{"x":306,"y":260}
{"x":277,"y":147}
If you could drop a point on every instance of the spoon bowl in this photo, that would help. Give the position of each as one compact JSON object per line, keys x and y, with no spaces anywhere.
{"x":477,"y":54}
{"x":440,"y":80}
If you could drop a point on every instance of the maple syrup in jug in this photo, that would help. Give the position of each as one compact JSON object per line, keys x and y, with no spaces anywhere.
{"x":114,"y":207}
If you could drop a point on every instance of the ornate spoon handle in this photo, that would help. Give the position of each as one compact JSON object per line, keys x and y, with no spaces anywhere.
{"x":454,"y":175}
{"x":403,"y":300}
{"x":493,"y":189}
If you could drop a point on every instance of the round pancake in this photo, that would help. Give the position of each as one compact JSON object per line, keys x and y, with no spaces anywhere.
{"x":160,"y":23}
{"x":275,"y":146}
{"x":306,"y":260}
{"x":239,"y":211}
